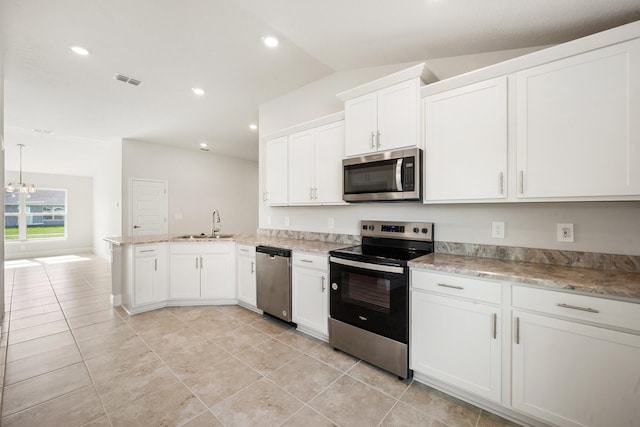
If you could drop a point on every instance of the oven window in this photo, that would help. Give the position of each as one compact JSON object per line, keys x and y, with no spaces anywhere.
{"x":367,"y":291}
{"x":370,"y":177}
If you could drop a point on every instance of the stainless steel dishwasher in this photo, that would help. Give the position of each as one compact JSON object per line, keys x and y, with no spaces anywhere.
{"x":273,"y":281}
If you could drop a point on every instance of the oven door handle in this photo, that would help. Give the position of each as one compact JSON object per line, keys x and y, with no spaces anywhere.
{"x":399,"y":174}
{"x":367,"y":266}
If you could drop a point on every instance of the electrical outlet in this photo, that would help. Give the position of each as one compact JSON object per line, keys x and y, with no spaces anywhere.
{"x":497,"y":230}
{"x":331,"y":223}
{"x":565,"y":233}
{"x":286,"y":221}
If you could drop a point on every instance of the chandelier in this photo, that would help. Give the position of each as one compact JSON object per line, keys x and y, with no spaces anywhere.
{"x":20,"y":186}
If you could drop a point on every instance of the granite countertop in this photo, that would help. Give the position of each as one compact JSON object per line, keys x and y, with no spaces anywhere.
{"x":610,"y":284}
{"x":249,"y":239}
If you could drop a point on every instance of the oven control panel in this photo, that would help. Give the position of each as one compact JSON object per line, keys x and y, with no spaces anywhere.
{"x":398,"y":230}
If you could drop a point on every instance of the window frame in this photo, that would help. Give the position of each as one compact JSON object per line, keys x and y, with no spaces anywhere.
{"x":25,"y":217}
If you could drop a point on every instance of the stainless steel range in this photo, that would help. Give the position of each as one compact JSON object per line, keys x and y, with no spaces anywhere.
{"x":369,"y":299}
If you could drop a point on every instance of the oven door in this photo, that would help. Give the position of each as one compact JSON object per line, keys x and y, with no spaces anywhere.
{"x":370,"y":296}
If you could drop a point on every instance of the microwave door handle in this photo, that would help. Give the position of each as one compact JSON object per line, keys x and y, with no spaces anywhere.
{"x":399,"y":175}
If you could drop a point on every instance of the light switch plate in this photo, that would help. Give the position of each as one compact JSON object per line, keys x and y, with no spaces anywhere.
{"x":497,"y":230}
{"x":286,"y":220}
{"x":565,"y":233}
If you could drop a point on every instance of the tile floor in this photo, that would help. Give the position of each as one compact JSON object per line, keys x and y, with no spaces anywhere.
{"x":72,"y":360}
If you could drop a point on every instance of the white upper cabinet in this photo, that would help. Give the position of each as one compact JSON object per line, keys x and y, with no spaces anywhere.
{"x":276,"y":176}
{"x":315,"y":165}
{"x":383,"y":120}
{"x":466,"y":142}
{"x":577,"y":127}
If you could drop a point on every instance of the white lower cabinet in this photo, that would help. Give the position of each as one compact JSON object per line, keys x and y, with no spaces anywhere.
{"x":574,"y":374}
{"x":310,"y":296}
{"x":147,"y":279}
{"x":202,"y":271}
{"x":246,"y":274}
{"x":456,"y":339}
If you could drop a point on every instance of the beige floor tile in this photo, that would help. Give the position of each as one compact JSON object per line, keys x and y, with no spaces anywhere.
{"x":305,"y":377}
{"x":240,"y":313}
{"x":154,"y":329}
{"x":271,"y":326}
{"x":263,"y":403}
{"x":207,"y":419}
{"x":44,"y":287}
{"x":75,"y":408}
{"x":38,"y":345}
{"x":90,"y":299}
{"x":31,"y":392}
{"x":86,"y":309}
{"x":123,"y":340}
{"x":40,"y":293}
{"x":121,"y":360}
{"x":173,"y":405}
{"x":404,"y":415}
{"x":194,"y":358}
{"x":268,"y":356}
{"x":187,"y":314}
{"x":307,"y":417}
{"x":91,"y":318}
{"x":349,"y":402}
{"x":38,"y":319}
{"x":33,"y":311}
{"x":487,"y":419}
{"x":298,"y":340}
{"x":337,"y":359}
{"x":175,"y":340}
{"x":38,"y":331}
{"x":42,"y":363}
{"x":241,"y":339}
{"x":83,"y":293}
{"x":116,"y":391}
{"x":377,"y":378}
{"x":448,"y":409}
{"x":99,"y":422}
{"x":218,"y":382}
{"x":214,"y":327}
{"x":34,"y":302}
{"x":149,"y":318}
{"x":111,"y":326}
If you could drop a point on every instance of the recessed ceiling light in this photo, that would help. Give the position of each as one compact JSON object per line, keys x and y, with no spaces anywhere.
{"x":270,"y":41}
{"x":80,"y":50}
{"x":198,"y":91}
{"x":203,"y":144}
{"x":253,"y":126}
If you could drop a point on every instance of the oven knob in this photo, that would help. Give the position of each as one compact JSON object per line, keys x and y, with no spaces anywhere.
{"x":425,"y":230}
{"x":416,"y":230}
{"x":364,"y":227}
{"x":371,"y":227}
{"x":334,"y":286}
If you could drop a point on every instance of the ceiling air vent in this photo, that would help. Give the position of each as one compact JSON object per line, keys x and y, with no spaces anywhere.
{"x":127,"y":79}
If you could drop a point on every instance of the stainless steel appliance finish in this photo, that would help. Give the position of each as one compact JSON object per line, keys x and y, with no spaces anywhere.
{"x":386,"y":176}
{"x":369,"y":298}
{"x":273,"y":281}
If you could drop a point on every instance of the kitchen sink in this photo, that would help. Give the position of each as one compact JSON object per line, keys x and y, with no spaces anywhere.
{"x":203,"y":236}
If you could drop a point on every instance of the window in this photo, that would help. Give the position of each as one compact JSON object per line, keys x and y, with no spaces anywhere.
{"x":39,"y":215}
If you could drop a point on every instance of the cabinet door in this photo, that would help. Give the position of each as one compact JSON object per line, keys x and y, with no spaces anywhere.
{"x":301,"y":167}
{"x":247,"y":280}
{"x":216,"y":276}
{"x":309,"y":304}
{"x":276,"y":174}
{"x":145,"y":277}
{"x":398,"y":116}
{"x":361,"y":124}
{"x":185,"y":276}
{"x":578,"y":133}
{"x":457,"y":342}
{"x":572,"y":374}
{"x":466,"y":142}
{"x":329,"y":151}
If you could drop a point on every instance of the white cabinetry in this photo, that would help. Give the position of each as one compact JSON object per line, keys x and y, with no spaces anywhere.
{"x":578,"y":133}
{"x":466,"y":143}
{"x":315,"y":165}
{"x":246,"y":274}
{"x":310,"y":297}
{"x":455,"y":332}
{"x":204,"y":271}
{"x":146,"y":287}
{"x":570,"y":373}
{"x":383,"y":120}
{"x":276,"y":176}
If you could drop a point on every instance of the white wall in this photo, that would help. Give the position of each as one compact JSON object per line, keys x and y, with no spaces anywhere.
{"x":2,"y":175}
{"x":199,"y":182}
{"x":107,"y":198}
{"x":78,"y":223}
{"x":608,"y":227}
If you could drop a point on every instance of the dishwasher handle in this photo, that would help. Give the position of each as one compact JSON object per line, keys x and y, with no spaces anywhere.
{"x":270,"y":250}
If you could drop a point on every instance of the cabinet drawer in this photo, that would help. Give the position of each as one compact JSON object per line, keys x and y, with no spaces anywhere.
{"x":246,"y":250}
{"x":302,"y":259}
{"x":593,"y":309}
{"x":202,"y":248}
{"x":146,"y":250}
{"x":459,"y":286}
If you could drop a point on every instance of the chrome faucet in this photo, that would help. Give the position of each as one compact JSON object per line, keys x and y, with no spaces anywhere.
{"x":215,"y":219}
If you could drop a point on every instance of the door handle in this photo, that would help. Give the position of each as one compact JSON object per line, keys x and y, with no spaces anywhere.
{"x":373,"y":136}
{"x":379,"y":139}
{"x":323,"y":288}
{"x":252,"y":266}
{"x":137,"y":226}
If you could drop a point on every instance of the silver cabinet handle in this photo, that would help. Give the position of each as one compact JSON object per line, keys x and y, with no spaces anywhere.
{"x":517,"y":330}
{"x":444,"y":285}
{"x":155,"y":264}
{"x":201,"y":264}
{"x":196,"y":263}
{"x":379,"y":139}
{"x":315,"y":194}
{"x":521,"y":182}
{"x":323,"y":287}
{"x":575,"y":307}
{"x":148,"y":250}
{"x":244,"y":250}
{"x":501,"y":182}
{"x":373,"y":136}
{"x":495,"y":325}
{"x":306,"y":260}
{"x":310,"y":193}
{"x":252,"y":267}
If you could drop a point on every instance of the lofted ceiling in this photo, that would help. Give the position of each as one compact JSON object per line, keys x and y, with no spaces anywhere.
{"x":173,"y":46}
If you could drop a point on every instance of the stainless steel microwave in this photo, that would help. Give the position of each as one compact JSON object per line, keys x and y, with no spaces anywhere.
{"x":387,"y":176}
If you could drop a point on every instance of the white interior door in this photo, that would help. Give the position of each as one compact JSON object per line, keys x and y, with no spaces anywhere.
{"x":148,"y":207}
